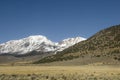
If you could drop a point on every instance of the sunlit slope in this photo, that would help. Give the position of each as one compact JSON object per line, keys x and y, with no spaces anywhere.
{"x":104,"y":44}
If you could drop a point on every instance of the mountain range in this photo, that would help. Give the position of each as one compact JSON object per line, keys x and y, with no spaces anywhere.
{"x":36,"y":43}
{"x":103,"y":48}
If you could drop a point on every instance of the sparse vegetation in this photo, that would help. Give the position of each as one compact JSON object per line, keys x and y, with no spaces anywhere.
{"x":104,"y":43}
{"x":59,"y":73}
{"x":75,"y":76}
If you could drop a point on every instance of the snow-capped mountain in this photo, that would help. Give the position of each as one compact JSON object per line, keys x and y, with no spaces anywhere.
{"x":36,"y":43}
{"x":69,"y":42}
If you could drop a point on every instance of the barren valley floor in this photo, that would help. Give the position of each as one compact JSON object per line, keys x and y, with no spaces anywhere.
{"x":59,"y":73}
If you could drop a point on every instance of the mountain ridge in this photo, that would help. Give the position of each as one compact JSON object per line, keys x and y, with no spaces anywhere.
{"x":104,"y":44}
{"x":36,"y":43}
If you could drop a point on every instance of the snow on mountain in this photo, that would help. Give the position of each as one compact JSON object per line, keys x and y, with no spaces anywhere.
{"x":36,"y":43}
{"x":69,"y":42}
{"x":28,"y":44}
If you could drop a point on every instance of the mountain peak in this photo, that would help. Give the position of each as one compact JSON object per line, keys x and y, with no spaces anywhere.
{"x":69,"y":42}
{"x":36,"y":43}
{"x":74,"y":39}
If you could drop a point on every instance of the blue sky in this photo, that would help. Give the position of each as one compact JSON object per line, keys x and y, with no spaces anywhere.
{"x":56,"y":19}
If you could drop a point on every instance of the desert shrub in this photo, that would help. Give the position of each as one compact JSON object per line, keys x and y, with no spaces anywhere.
{"x":97,"y":55}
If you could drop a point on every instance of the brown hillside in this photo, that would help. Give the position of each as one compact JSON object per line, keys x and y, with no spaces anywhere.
{"x":105,"y":43}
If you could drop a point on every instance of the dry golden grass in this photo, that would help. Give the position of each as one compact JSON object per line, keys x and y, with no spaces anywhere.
{"x":60,"y":72}
{"x":57,"y":69}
